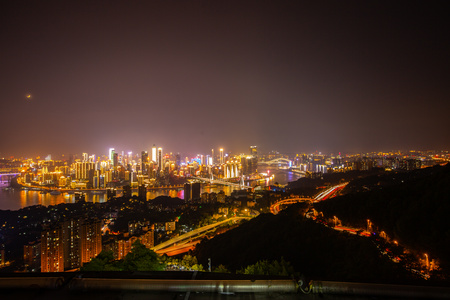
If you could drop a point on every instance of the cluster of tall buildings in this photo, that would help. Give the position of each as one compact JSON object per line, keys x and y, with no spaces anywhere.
{"x":148,"y":168}
{"x":318,"y":163}
{"x":68,"y":245}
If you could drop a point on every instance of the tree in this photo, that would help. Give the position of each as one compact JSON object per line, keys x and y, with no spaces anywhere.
{"x":142,"y":259}
{"x":103,"y":262}
{"x":191,"y":263}
{"x":221,"y":269}
{"x":274,"y":268}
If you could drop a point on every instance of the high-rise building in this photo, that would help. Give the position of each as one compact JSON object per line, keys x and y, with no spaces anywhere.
{"x":249,"y":164}
{"x":221,"y":155}
{"x":195,"y":191}
{"x":52,"y":250}
{"x":154,"y":158}
{"x":254,"y":150}
{"x":187,"y":191}
{"x":142,"y":192}
{"x":32,"y":256}
{"x":115,"y":159}
{"x":148,"y":239}
{"x":82,"y":169}
{"x":160,"y":159}
{"x":71,"y":243}
{"x":111,"y":155}
{"x":90,"y":240}
{"x":85,"y":157}
{"x":124,"y":246}
{"x":144,"y":162}
{"x":129,"y":159}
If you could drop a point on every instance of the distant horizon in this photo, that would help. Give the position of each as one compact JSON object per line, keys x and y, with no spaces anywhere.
{"x":190,"y":155}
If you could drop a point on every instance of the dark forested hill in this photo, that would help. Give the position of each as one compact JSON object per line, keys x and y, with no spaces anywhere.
{"x":313,"y":250}
{"x":414,"y":209}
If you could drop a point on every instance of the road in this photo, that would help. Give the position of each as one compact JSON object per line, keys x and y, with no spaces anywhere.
{"x":275,"y":208}
{"x":179,"y":249}
{"x":194,"y":233}
{"x":328,"y":193}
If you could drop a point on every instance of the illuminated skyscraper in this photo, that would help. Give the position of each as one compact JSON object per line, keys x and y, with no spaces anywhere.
{"x":144,"y":162}
{"x":90,"y":240}
{"x":129,"y":158}
{"x":249,"y":164}
{"x":111,"y":154}
{"x":52,"y":250}
{"x":115,"y":159}
{"x":71,"y":243}
{"x":221,"y":155}
{"x":154,"y":153}
{"x":254,"y":150}
{"x":82,"y":169}
{"x":160,"y":159}
{"x":212,"y":156}
{"x":85,"y":157}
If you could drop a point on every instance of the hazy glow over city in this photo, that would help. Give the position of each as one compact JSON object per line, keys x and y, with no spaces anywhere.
{"x":283,"y":75}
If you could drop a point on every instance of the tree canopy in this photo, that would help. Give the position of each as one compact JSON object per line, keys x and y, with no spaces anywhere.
{"x":139,"y":259}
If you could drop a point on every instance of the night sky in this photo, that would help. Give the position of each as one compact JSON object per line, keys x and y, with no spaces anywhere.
{"x":189,"y":76}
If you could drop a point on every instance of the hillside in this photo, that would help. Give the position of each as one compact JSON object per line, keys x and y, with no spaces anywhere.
{"x":314,"y":250}
{"x":412,"y":208}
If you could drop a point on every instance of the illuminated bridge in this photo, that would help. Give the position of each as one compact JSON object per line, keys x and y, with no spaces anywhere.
{"x":275,"y":208}
{"x":223,"y":182}
{"x":277,"y":162}
{"x":6,"y":175}
{"x":328,"y":193}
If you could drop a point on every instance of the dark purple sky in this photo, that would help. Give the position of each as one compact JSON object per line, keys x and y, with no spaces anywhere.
{"x":292,"y":76}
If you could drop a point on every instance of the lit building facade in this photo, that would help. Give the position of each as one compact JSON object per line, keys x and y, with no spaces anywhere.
{"x":32,"y":256}
{"x":52,"y":250}
{"x":90,"y":240}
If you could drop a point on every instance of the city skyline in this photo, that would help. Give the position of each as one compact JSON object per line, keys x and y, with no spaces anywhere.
{"x":191,"y":156}
{"x":288,"y":76}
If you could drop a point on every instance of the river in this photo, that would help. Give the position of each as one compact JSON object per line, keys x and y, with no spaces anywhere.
{"x":14,"y":199}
